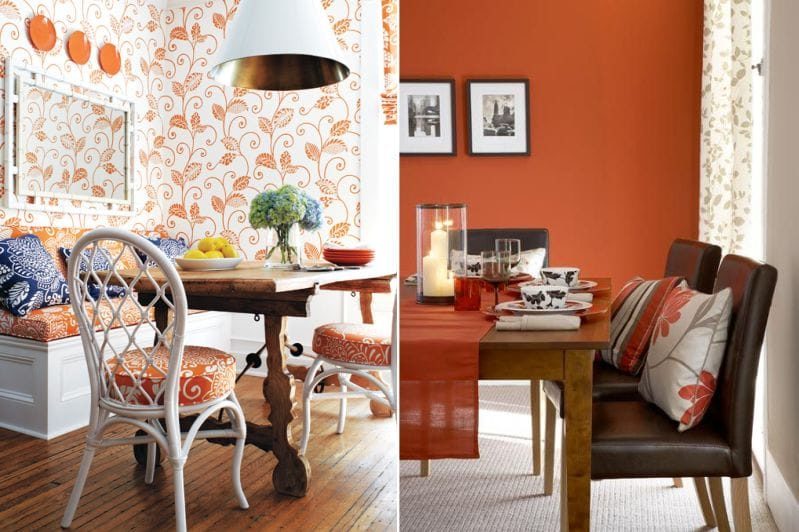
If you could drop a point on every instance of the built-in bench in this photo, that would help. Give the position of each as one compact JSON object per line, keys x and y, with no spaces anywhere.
{"x":44,"y":382}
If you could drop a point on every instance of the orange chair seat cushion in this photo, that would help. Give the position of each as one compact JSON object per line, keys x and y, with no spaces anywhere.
{"x":205,"y":374}
{"x":59,"y":321}
{"x":355,"y":343}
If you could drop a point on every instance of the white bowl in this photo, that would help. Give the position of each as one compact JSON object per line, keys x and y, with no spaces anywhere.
{"x":207,"y":264}
{"x":544,"y":296}
{"x":561,"y":276}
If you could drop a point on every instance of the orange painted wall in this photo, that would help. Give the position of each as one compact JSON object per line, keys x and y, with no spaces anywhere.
{"x":615,"y":104}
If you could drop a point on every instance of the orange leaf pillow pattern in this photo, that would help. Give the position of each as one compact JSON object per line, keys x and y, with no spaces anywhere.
{"x":685,"y":354}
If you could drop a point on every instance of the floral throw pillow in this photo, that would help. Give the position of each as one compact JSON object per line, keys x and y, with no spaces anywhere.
{"x":686,"y":353}
{"x":172,"y":247}
{"x":101,"y":261}
{"x":29,"y":278}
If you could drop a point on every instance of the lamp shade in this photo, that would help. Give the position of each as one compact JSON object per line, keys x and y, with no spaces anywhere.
{"x":280,"y":45}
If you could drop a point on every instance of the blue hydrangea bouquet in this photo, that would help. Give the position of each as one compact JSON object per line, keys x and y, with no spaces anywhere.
{"x":284,"y":211}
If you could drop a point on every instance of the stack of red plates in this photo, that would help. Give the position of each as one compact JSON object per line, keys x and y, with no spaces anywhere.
{"x":348,"y":257}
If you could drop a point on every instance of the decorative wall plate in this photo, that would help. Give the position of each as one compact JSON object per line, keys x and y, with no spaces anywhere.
{"x":42,"y":33}
{"x":110,"y":61}
{"x":79,"y":47}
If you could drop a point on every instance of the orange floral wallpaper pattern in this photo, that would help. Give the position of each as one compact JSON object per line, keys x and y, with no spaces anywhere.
{"x":203,"y":149}
{"x":129,"y":26}
{"x":223,"y":146}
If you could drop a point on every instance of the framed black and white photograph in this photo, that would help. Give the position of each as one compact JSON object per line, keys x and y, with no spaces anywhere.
{"x":427,"y":117}
{"x":498,"y":116}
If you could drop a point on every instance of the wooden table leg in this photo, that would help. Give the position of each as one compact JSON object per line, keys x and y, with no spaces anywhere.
{"x":161,"y":319}
{"x":576,"y":463}
{"x":292,"y":473}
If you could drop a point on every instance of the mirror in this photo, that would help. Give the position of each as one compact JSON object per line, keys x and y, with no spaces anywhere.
{"x":72,"y":146}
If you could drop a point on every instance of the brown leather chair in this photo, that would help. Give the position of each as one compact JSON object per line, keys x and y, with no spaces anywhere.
{"x":696,"y":262}
{"x":634,"y":439}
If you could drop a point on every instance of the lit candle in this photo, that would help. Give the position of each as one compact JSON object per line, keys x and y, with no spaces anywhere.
{"x":437,"y":281}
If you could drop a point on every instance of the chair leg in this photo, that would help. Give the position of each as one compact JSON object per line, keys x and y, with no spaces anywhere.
{"x":424,"y":468}
{"x":719,"y":506}
{"x":677,"y":482}
{"x":307,"y":393}
{"x":535,"y":417}
{"x":704,"y":502}
{"x":238,"y":455}
{"x":77,"y":490}
{"x":550,"y":417}
{"x":149,"y":474}
{"x":342,"y":411}
{"x":740,"y":505}
{"x":180,"y":498}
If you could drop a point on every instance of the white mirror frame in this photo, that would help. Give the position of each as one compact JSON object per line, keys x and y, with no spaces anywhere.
{"x":14,"y":198}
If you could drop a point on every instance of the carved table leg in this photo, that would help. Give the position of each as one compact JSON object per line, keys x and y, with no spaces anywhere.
{"x":292,"y":473}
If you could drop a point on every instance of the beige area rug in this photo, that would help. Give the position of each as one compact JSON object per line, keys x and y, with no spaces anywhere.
{"x":497,"y":492}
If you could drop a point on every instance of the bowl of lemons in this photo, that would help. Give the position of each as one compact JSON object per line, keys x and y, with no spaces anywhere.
{"x":210,"y":253}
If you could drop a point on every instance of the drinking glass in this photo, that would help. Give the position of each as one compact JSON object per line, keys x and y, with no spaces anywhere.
{"x":512,"y":246}
{"x":496,"y":271}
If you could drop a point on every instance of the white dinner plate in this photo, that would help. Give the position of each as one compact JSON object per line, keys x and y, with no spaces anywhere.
{"x":518,"y":308}
{"x":581,"y":284}
{"x":206,"y":265}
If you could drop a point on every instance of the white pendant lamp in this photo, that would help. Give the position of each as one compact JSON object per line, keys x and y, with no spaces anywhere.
{"x":280,"y":45}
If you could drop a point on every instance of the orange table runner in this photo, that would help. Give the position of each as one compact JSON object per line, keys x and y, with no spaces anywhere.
{"x":439,"y":370}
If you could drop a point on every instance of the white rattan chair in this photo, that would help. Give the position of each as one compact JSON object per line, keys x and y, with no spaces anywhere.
{"x":351,"y":349}
{"x":147,"y":381}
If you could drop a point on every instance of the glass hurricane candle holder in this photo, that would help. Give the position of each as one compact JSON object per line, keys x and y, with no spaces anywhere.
{"x":440,"y":251}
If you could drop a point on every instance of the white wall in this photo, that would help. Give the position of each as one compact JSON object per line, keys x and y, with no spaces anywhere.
{"x":782,"y":251}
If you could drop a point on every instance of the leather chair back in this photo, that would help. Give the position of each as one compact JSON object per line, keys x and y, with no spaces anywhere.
{"x":483,"y":239}
{"x":752,"y":285}
{"x":696,"y":262}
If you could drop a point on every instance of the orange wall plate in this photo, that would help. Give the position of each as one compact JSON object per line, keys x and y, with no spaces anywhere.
{"x":42,"y":33}
{"x":110,"y":61}
{"x":79,"y":47}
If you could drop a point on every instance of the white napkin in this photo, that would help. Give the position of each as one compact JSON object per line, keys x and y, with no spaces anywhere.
{"x":554,"y":322}
{"x":587,"y":297}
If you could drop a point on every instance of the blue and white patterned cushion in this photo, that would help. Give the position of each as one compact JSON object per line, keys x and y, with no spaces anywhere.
{"x":29,"y":278}
{"x":101,"y":262}
{"x":172,"y":247}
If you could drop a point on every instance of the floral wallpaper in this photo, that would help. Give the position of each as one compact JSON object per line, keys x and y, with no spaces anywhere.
{"x":204,"y":149}
{"x":222,"y":145}
{"x":133,"y":27}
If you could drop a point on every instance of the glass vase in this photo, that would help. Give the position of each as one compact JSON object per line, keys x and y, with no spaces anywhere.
{"x":283,"y":248}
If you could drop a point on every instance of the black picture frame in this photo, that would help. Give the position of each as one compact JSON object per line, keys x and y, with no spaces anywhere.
{"x":478,"y":151}
{"x":447,"y":149}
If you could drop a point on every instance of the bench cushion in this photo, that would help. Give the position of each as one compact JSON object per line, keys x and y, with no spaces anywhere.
{"x":206,"y":374}
{"x":57,"y":322}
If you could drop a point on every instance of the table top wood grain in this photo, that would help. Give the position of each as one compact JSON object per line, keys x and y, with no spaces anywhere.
{"x":251,"y":278}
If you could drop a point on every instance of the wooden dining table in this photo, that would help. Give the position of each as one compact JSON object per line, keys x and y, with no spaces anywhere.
{"x":565,"y":356}
{"x":276,"y":295}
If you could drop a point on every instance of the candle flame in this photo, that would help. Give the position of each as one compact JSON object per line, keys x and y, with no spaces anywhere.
{"x":439,"y":225}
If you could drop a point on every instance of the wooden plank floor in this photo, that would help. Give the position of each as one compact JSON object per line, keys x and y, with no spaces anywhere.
{"x":353,"y":479}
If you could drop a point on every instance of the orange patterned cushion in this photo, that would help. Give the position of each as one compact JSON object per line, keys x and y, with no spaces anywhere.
{"x":205,"y":374}
{"x":355,"y":343}
{"x":53,"y":323}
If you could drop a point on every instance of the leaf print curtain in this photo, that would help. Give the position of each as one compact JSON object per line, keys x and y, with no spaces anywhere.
{"x":391,"y":60}
{"x":726,"y":161}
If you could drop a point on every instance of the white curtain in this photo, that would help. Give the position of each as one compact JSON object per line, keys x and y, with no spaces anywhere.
{"x":726,"y":153}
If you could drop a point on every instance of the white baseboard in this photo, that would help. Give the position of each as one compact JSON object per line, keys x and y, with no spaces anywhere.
{"x":779,"y":497}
